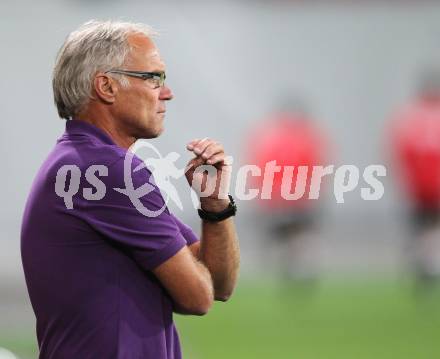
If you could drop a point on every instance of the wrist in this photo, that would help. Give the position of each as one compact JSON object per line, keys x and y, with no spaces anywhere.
{"x":217,"y":210}
{"x":214,"y":204}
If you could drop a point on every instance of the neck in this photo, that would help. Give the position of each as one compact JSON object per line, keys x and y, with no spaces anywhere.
{"x":108,"y":124}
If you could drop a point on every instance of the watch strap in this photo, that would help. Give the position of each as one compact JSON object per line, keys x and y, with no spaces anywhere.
{"x":229,"y":211}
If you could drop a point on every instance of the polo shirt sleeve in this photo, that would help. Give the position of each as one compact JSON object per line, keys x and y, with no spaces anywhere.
{"x":149,"y":240}
{"x":186,"y":231}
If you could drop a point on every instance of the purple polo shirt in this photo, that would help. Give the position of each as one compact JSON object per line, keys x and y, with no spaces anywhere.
{"x":88,"y":268}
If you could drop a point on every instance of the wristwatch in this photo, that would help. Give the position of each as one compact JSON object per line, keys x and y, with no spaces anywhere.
{"x":229,"y":211}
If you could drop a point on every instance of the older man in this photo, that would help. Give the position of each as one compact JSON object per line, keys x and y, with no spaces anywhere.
{"x":103,"y":278}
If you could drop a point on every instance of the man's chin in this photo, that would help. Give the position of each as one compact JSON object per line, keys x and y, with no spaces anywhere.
{"x":157,"y":134}
{"x":151,"y":132}
{"x":160,"y":129}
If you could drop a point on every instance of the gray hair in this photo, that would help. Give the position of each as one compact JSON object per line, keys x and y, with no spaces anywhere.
{"x":95,"y":46}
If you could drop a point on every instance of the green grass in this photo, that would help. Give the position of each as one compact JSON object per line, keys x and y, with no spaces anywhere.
{"x":335,"y":320}
{"x":351,"y":319}
{"x":23,"y":344}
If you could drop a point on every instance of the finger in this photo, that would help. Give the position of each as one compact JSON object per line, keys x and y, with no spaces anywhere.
{"x":194,"y":163}
{"x":211,"y":150}
{"x":194,"y":143}
{"x":216,"y":159}
{"x":190,"y":145}
{"x":200,"y":147}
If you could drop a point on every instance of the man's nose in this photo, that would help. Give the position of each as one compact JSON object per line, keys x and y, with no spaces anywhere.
{"x":166,"y":93}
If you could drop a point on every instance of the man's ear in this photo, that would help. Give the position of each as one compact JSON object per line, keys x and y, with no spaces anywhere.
{"x":105,"y":88}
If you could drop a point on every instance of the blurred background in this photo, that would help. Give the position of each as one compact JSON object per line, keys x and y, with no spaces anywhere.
{"x":350,"y":280}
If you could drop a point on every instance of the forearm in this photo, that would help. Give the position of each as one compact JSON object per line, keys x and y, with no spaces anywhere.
{"x":219,"y":251}
{"x":205,"y":285}
{"x":188,"y":282}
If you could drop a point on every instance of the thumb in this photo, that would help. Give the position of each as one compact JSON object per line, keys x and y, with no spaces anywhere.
{"x":194,"y":163}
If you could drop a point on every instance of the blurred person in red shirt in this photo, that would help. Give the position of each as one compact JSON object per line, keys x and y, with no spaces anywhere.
{"x":415,"y":141}
{"x":290,"y":138}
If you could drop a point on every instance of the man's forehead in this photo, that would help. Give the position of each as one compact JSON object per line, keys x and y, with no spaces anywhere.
{"x":140,"y":41}
{"x":143,"y":48}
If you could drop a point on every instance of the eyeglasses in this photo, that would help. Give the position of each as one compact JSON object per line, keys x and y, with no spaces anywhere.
{"x":158,"y":78}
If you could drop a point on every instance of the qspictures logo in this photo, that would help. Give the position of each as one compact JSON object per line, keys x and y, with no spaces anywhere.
{"x":165,"y":173}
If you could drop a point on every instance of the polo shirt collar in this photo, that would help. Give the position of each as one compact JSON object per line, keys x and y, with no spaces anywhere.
{"x":79,"y":127}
